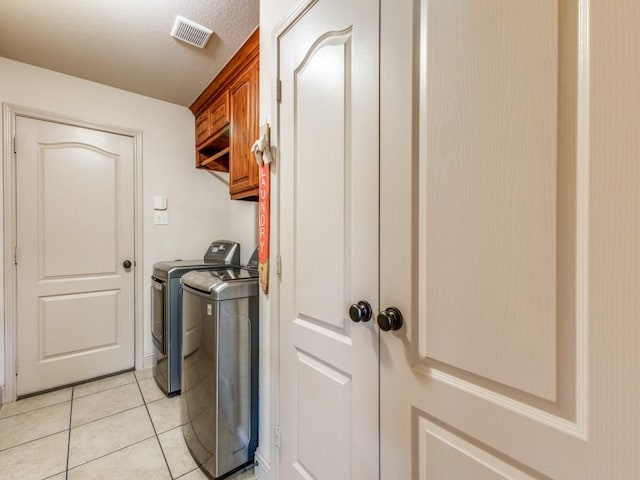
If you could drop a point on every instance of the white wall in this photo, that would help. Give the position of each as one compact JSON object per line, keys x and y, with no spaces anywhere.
{"x":271,"y":13}
{"x":242,"y":220}
{"x":199,"y":206}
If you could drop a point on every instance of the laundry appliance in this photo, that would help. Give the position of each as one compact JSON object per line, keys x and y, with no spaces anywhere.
{"x":219,"y":400}
{"x":166,"y":308}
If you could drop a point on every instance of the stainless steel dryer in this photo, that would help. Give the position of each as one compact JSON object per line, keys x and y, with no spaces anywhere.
{"x":166,"y":308}
{"x":219,"y":401}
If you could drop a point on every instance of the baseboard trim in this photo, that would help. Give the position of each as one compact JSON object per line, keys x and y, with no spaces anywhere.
{"x":263,"y":467}
{"x":149,"y":360}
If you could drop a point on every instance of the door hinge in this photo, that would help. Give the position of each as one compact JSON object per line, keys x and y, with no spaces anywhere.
{"x":15,"y":149}
{"x":277,"y":439}
{"x":15,"y":255}
{"x":17,"y":363}
{"x":278,"y":91}
{"x":278,"y":265}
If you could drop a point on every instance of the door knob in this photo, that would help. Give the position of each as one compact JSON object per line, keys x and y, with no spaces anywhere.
{"x":126,"y":264}
{"x":390,"y":319}
{"x":360,"y":312}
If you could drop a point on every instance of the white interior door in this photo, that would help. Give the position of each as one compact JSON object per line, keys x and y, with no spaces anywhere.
{"x":507,"y":257}
{"x":75,"y":228}
{"x":328,"y":166}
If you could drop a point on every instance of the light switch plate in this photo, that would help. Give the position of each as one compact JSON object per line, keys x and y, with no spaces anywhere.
{"x":161,"y":217}
{"x":159,"y":202}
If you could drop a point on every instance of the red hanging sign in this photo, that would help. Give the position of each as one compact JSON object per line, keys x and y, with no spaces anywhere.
{"x":263,"y":227}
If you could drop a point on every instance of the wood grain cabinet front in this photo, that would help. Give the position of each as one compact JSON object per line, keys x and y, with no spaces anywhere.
{"x":243,"y":171}
{"x":219,"y":113}
{"x":227,"y":121}
{"x":202,"y":127}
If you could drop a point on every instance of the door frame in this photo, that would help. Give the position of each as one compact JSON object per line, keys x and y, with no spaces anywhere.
{"x":8,"y":284}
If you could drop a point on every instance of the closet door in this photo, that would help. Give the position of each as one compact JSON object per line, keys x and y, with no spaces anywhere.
{"x":328,"y":167}
{"x":509,"y":239}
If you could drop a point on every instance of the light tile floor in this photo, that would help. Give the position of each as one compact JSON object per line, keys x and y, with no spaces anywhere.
{"x":121,"y":427}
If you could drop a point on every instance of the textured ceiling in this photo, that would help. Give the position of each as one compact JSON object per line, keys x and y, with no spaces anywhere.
{"x":125,"y":43}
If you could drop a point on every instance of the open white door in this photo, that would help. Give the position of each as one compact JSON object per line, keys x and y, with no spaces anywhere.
{"x":510,"y":239}
{"x":75,"y":231}
{"x":328,"y":66}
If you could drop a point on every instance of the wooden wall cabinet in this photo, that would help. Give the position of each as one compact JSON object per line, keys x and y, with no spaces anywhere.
{"x":243,"y":171}
{"x":227,"y":121}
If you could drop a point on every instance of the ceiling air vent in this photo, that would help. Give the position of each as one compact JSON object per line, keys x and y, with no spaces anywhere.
{"x":191,"y":32}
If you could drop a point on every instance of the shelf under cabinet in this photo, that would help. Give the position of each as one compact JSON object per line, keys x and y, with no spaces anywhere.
{"x":218,"y":161}
{"x":214,"y":153}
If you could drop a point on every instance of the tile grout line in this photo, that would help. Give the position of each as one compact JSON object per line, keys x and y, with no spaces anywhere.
{"x":96,"y":420}
{"x":135,"y":379}
{"x":34,"y":409}
{"x":106,"y":389}
{"x":154,"y":429}
{"x":187,"y":473}
{"x":72,"y":397}
{"x":127,"y":446}
{"x":66,"y":470}
{"x":71,"y":401}
{"x":111,"y":453}
{"x":155,"y":433}
{"x":107,"y":416}
{"x":31,"y":441}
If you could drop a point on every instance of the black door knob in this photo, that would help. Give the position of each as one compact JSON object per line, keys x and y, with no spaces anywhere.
{"x":126,"y":264}
{"x":360,"y":312}
{"x":390,"y":319}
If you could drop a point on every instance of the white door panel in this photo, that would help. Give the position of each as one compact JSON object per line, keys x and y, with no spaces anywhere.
{"x":508,"y":238}
{"x":74,"y":210}
{"x":489,"y":369}
{"x":487,"y":214}
{"x":91,"y":250}
{"x":56,"y":323}
{"x":328,"y":232}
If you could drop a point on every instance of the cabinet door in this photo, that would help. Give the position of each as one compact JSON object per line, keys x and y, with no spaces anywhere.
{"x":243,"y":99}
{"x":219,"y":113}
{"x":202,"y":127}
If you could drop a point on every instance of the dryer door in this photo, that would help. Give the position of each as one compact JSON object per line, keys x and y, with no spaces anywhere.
{"x":158,"y":314}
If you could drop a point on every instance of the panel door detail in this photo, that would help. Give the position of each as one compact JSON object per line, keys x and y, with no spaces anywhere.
{"x":75,"y":214}
{"x":328,"y":242}
{"x":486,"y":154}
